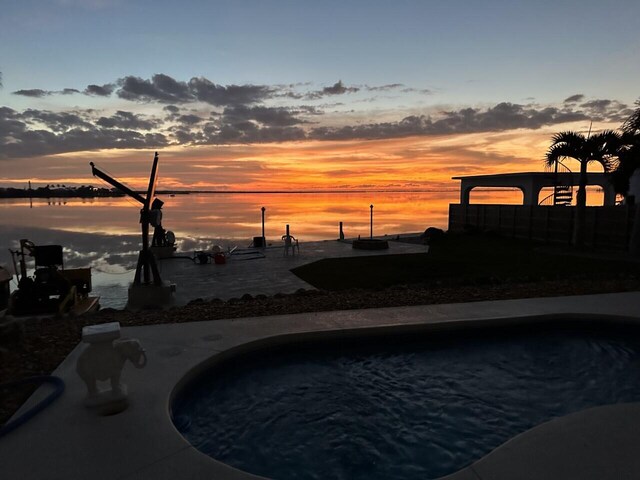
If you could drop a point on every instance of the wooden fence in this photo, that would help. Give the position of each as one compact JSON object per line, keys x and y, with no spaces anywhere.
{"x":606,"y":227}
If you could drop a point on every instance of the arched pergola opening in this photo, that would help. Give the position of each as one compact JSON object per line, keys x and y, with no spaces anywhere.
{"x":496,"y":195}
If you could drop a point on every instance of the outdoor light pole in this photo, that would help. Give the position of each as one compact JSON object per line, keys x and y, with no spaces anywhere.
{"x":371,"y":207}
{"x":263,"y":209}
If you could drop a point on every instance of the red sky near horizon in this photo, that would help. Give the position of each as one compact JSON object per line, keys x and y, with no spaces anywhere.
{"x":410,"y":163}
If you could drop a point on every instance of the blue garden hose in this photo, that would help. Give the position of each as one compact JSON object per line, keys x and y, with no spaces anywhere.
{"x":56,"y":382}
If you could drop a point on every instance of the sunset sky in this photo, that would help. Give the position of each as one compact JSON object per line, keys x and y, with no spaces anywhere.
{"x":239,"y":95}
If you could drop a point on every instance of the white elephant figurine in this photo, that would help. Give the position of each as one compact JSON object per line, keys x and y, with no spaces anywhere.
{"x":105,"y":361}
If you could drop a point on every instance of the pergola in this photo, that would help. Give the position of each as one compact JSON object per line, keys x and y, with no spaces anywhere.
{"x":532,"y":182}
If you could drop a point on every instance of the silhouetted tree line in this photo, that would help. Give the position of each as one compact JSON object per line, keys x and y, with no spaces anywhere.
{"x":58,"y":191}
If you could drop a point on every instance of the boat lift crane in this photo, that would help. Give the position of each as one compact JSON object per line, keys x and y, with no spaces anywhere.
{"x":147,"y":273}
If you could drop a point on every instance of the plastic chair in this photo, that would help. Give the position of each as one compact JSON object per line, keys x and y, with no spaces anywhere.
{"x":290,"y":242}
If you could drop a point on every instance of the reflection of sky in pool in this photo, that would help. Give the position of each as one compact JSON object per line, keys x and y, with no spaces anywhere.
{"x":400,"y":409}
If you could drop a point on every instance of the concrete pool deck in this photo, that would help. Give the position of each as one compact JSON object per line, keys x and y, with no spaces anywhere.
{"x":67,"y":441}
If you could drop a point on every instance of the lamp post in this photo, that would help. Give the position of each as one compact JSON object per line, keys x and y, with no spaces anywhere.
{"x":263,"y":239}
{"x":371,"y":207}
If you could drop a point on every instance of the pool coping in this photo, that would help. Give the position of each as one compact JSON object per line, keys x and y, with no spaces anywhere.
{"x":68,"y":441}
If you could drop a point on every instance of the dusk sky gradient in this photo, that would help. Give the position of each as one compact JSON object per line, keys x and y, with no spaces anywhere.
{"x":240,"y":95}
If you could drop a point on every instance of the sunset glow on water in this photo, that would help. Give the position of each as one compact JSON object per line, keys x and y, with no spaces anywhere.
{"x":104,"y":233}
{"x":312,"y":216}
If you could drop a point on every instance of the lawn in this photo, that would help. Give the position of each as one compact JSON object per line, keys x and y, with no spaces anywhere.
{"x":462,"y":259}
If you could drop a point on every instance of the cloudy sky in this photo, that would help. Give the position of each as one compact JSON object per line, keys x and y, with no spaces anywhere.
{"x":267,"y":95}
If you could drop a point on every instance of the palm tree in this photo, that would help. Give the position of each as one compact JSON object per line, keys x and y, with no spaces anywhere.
{"x":629,"y":155}
{"x":629,"y":161}
{"x":602,"y":147}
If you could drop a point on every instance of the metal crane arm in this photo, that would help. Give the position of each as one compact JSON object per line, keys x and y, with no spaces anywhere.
{"x":120,"y":186}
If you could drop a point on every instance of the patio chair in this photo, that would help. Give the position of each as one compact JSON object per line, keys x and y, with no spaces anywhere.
{"x":290,"y":242}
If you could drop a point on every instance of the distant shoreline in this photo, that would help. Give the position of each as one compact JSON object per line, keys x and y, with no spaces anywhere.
{"x":315,"y":192}
{"x":97,"y":193}
{"x":84,"y":192}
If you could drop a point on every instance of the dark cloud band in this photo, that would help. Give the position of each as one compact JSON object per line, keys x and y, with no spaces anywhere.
{"x":42,"y":132}
{"x":34,"y":93}
{"x":100,"y":91}
{"x":164,"y":89}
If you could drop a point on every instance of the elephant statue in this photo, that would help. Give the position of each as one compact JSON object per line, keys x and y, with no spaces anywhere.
{"x":105,"y":361}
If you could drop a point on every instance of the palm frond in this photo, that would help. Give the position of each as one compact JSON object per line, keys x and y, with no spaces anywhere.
{"x":566,"y":144}
{"x":608,"y":162}
{"x":558,"y":152}
{"x":630,"y":139}
{"x":632,"y":124}
{"x":570,"y":138}
{"x":604,"y":148}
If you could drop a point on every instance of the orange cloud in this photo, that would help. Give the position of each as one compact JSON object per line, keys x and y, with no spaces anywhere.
{"x":411,"y":163}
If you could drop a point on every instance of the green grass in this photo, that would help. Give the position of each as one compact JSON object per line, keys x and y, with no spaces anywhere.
{"x":460,"y":260}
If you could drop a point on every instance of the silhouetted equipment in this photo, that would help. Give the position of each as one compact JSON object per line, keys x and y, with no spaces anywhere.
{"x":52,"y":289}
{"x":46,"y":255}
{"x":5,"y":279}
{"x":146,"y":269}
{"x":147,"y":289}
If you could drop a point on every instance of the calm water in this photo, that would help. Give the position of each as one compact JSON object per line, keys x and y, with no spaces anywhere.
{"x":237,"y":216}
{"x":401,"y":410}
{"x":104,"y":233}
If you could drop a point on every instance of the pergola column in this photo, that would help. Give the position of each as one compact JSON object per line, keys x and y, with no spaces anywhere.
{"x":465,"y":192}
{"x":609,"y":194}
{"x":530,"y":191}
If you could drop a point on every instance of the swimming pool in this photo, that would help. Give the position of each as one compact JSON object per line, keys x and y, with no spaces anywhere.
{"x":401,"y":407}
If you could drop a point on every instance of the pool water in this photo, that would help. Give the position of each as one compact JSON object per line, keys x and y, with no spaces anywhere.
{"x":401,"y":408}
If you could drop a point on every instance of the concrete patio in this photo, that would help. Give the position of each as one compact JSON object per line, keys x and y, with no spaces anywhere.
{"x":266,"y":272}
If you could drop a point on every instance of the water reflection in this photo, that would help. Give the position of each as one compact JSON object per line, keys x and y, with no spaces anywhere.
{"x":111,"y":257}
{"x":313,"y":216}
{"x":104,"y":233}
